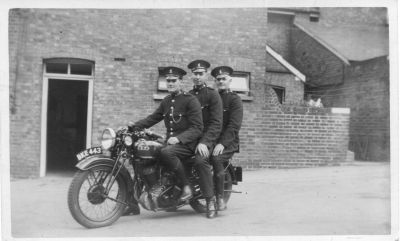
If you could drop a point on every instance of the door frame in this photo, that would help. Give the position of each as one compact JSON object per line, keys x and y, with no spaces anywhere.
{"x":45,"y":90}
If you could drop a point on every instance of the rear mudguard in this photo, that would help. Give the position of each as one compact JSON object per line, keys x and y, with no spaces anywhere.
{"x":103,"y":160}
{"x":236,"y":173}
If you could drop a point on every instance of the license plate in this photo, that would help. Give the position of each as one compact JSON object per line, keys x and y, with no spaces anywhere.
{"x":88,"y":152}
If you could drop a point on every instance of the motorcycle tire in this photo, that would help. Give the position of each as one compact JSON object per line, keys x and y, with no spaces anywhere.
{"x":199,"y":204}
{"x":95,"y":199}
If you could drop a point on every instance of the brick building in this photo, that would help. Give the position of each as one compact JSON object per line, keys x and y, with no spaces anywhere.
{"x":74,"y":72}
{"x":344,"y":54}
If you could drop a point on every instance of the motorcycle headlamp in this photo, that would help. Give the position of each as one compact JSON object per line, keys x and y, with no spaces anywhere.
{"x":128,"y":140}
{"x":108,"y":139}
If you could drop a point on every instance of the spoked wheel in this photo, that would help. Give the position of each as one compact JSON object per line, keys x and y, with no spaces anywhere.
{"x":91,"y":203}
{"x":199,"y":204}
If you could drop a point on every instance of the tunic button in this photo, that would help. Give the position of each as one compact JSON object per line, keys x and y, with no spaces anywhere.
{"x":172,"y":107}
{"x":170,"y":114}
{"x":171,"y":129}
{"x":197,"y":93}
{"x":171,"y":133}
{"x":172,"y":101}
{"x":170,"y":122}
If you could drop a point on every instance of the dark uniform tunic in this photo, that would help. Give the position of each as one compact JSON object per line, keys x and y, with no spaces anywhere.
{"x":211,"y":107}
{"x":232,"y":121}
{"x":229,"y":138}
{"x":182,"y":118}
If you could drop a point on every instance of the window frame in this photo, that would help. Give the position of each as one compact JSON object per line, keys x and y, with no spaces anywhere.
{"x":68,"y":61}
{"x":247,"y":77}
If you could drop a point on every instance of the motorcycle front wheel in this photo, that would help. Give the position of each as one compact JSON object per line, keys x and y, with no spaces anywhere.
{"x":89,"y":201}
{"x":199,"y":204}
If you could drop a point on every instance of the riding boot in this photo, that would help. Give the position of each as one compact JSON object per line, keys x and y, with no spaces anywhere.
{"x":211,"y":207}
{"x":186,"y":190}
{"x":132,"y":208}
{"x":221,"y":203}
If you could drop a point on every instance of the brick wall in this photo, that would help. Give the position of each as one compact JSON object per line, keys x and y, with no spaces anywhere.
{"x":294,"y":89}
{"x":362,"y":86}
{"x":292,"y":136}
{"x":123,"y":91}
{"x":315,"y":61}
{"x":366,"y":91}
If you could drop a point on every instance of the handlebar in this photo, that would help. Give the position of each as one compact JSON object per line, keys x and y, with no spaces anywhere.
{"x":133,"y":128}
{"x":153,"y":134}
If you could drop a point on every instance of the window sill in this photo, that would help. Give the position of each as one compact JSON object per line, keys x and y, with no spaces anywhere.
{"x":246,"y":97}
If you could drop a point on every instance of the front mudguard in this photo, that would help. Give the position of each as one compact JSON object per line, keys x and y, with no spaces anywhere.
{"x":103,"y":160}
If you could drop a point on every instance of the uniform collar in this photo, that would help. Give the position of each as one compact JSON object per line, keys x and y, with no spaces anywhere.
{"x":224,"y":91}
{"x":199,"y":87}
{"x":174,"y":94}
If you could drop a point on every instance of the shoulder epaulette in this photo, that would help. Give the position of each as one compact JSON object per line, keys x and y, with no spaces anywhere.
{"x":210,"y":87}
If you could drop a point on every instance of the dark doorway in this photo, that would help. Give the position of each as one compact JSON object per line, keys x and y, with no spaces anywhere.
{"x":66,"y":122}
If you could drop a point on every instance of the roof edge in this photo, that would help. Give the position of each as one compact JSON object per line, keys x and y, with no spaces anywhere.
{"x":323,"y":43}
{"x":286,"y":64}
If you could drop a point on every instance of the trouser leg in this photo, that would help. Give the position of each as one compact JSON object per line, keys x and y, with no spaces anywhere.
{"x":219,"y":173}
{"x":172,"y":155}
{"x":203,"y":168}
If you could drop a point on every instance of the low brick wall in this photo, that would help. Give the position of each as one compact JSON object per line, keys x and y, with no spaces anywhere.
{"x":294,"y":136}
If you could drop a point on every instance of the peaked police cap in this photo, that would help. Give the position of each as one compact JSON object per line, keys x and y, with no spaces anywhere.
{"x":171,"y":70}
{"x":198,"y":64}
{"x":221,"y":70}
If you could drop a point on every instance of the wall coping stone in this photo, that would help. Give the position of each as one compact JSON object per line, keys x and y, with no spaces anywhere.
{"x":305,"y":110}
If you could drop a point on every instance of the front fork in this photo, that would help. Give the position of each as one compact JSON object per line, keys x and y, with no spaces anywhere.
{"x":118,"y":165}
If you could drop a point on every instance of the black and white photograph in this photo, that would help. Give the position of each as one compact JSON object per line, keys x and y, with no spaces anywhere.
{"x":259,"y":120}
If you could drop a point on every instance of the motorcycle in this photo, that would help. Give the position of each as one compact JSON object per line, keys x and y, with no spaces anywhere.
{"x":126,"y":170}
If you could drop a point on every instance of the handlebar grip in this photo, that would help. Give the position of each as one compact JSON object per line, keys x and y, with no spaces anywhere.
{"x":155,"y":135}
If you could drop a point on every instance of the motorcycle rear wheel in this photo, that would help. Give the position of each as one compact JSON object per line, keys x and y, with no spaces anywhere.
{"x":199,"y":204}
{"x":88,"y":204}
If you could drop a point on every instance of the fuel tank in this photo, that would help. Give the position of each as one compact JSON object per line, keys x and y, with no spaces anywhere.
{"x":146,"y":149}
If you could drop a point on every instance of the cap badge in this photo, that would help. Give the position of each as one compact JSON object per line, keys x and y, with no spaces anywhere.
{"x":170,"y":71}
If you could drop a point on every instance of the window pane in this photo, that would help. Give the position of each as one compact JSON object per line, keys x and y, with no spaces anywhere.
{"x":240,"y":82}
{"x":81,"y":69}
{"x":57,"y":68}
{"x":162,"y":83}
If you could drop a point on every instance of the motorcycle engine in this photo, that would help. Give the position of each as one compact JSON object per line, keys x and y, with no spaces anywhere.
{"x":162,"y":195}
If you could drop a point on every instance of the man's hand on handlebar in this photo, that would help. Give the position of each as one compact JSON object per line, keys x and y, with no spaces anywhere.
{"x":132,"y":127}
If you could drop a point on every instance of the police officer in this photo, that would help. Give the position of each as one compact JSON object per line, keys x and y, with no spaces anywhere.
{"x":181,"y":113}
{"x":228,"y":141}
{"x":211,"y":106}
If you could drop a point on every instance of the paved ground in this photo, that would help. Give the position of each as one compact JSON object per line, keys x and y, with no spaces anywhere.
{"x":346,"y":200}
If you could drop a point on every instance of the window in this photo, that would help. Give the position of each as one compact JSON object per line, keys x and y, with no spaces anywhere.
{"x":240,"y":82}
{"x":314,"y":17}
{"x":57,"y":68}
{"x":69,"y":66}
{"x":161,"y":82}
{"x":280,"y":93}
